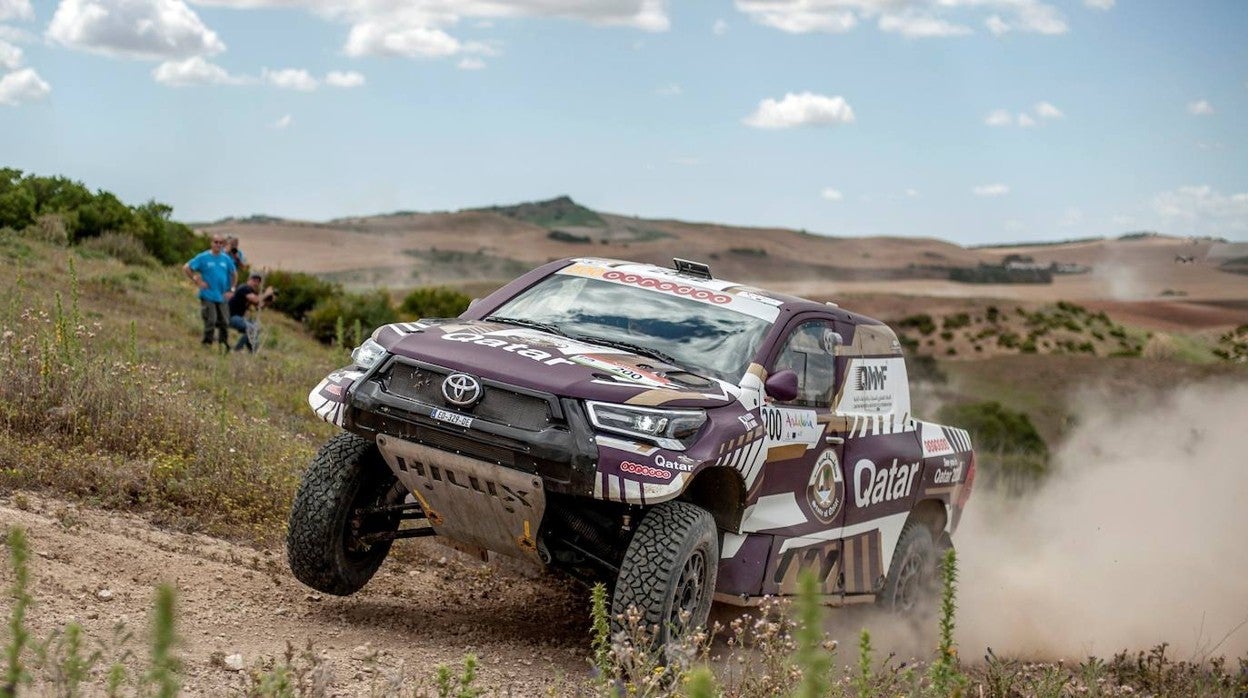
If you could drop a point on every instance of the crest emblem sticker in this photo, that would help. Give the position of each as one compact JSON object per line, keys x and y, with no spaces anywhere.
{"x":826,"y":491}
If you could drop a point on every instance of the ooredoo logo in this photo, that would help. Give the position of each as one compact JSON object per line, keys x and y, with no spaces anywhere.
{"x":644,"y":470}
{"x":667,"y":286}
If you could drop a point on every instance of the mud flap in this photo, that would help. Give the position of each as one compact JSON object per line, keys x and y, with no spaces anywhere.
{"x":469,"y":500}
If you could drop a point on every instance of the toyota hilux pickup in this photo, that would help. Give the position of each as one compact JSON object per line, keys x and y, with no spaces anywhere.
{"x":682,"y":438}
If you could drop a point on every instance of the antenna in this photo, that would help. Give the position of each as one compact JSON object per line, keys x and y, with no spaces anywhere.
{"x":688,"y":268}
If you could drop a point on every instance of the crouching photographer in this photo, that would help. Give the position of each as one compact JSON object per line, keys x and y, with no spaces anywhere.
{"x":248,"y":297}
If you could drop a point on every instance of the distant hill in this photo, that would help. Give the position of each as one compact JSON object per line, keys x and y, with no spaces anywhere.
{"x":477,"y":249}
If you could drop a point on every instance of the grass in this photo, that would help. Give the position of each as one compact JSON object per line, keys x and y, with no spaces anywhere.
{"x":780,"y":651}
{"x":106,"y":395}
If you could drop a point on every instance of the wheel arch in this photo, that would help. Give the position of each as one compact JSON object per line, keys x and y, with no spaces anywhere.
{"x":720,"y":491}
{"x":932,"y":512}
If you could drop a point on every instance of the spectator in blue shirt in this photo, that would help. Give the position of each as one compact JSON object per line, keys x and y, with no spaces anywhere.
{"x":214,"y":273}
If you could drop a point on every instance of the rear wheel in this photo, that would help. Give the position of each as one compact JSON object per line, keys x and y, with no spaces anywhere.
{"x":669,"y":571}
{"x":335,"y":541}
{"x":911,"y":587}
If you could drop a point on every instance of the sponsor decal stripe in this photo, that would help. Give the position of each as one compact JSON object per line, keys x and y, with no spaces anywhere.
{"x":873,"y":557}
{"x":786,"y":452}
{"x":934,"y":491}
{"x":849,"y":557}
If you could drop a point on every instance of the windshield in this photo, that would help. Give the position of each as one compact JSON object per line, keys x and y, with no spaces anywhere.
{"x":698,"y":337}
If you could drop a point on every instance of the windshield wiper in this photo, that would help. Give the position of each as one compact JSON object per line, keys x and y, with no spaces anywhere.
{"x":629,"y":346}
{"x":531,"y":324}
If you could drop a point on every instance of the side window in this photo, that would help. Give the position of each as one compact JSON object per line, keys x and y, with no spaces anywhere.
{"x":810,"y":353}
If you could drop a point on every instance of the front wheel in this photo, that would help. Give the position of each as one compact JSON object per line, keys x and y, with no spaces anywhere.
{"x":911,"y":586}
{"x":335,"y":543}
{"x":668,"y":572}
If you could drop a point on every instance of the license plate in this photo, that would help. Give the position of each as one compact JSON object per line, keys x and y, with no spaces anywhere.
{"x":458,"y":420}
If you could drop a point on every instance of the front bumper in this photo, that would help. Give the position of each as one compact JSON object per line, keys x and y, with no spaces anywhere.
{"x":511,"y":431}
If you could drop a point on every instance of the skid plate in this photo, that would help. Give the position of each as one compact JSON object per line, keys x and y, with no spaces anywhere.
{"x":470,"y":500}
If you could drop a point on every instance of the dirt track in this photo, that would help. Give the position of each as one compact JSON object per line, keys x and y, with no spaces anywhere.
{"x":427,"y":606}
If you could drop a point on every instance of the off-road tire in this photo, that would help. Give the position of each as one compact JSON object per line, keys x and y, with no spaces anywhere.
{"x":347,"y":474}
{"x":912,"y":586}
{"x":670,"y":565}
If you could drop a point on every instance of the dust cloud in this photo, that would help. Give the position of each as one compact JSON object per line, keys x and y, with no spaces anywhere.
{"x":1139,"y":537}
{"x":1121,"y":281}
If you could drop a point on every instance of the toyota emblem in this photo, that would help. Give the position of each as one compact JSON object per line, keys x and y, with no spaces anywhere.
{"x":461,"y":390}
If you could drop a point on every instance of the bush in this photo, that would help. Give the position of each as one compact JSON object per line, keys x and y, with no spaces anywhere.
{"x":299,"y":293}
{"x":370,"y":310}
{"x":126,"y":248}
{"x":564,"y":236}
{"x":922,"y":322}
{"x":433,"y":301}
{"x":1009,"y":450}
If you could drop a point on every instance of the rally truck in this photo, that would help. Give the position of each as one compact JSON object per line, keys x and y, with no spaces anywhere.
{"x":682,"y":438}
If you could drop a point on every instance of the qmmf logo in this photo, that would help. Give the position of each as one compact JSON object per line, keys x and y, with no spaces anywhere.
{"x":872,"y":377}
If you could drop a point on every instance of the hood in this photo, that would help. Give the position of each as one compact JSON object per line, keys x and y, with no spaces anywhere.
{"x":550,"y":363}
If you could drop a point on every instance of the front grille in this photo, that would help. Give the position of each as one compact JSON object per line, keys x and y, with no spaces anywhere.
{"x":498,"y":404}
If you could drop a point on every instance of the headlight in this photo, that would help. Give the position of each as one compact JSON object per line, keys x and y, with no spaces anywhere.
{"x":367,"y":354}
{"x":672,"y":429}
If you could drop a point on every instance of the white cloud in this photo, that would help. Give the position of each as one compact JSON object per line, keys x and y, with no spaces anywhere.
{"x":16,"y":10}
{"x":719,"y":28}
{"x":381,"y":39}
{"x":914,"y":18}
{"x":1200,"y":108}
{"x":22,"y":86}
{"x":194,"y":71}
{"x":831,"y":194}
{"x":290,"y":79}
{"x":687,"y":161}
{"x":1044,"y":110}
{"x":917,"y":25}
{"x":999,"y":117}
{"x":670,"y":90}
{"x":805,"y":109}
{"x":338,"y":78}
{"x":1204,"y":209}
{"x":471,"y":63}
{"x":1071,"y":217}
{"x":991,"y":190}
{"x":10,"y":56}
{"x":799,"y":17}
{"x":1099,"y":4}
{"x":1041,"y":112}
{"x":912,"y":193}
{"x":282,"y":123}
{"x":421,"y":28}
{"x":152,"y":29}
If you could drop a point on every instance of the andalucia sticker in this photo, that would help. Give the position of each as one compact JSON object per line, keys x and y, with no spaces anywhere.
{"x":826,"y":490}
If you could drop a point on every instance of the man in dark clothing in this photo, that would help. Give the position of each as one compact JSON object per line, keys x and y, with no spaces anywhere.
{"x":214,"y":273}
{"x":231,"y":248}
{"x":245,"y":297}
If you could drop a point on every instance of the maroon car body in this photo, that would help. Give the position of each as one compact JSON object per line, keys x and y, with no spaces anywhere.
{"x":786,"y":420}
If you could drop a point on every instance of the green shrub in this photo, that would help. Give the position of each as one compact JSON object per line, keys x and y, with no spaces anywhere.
{"x":1010,"y":453}
{"x":995,"y":427}
{"x":125,"y":248}
{"x":371,"y":310}
{"x":922,"y":322}
{"x":298,"y":293}
{"x":565,"y":236}
{"x":433,"y":301}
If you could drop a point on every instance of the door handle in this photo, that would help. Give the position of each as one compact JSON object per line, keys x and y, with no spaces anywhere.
{"x":833,"y":440}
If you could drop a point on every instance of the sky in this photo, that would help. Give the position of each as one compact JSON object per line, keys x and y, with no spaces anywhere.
{"x":974,"y":121}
